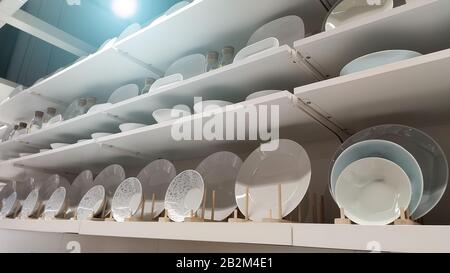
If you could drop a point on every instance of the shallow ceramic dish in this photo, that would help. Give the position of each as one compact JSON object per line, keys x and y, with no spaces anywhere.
{"x":59,"y":145}
{"x":92,"y":203}
{"x":131,"y":126}
{"x":282,"y":162}
{"x":219,"y":172}
{"x":155,"y":179}
{"x":10,"y":205}
{"x":127,"y":200}
{"x":80,"y":186}
{"x":100,"y":135}
{"x":425,"y":150}
{"x":163,"y":115}
{"x":260,"y":94}
{"x":286,"y":30}
{"x":110,"y":178}
{"x":210,"y":105}
{"x":347,"y":12}
{"x":56,"y":204}
{"x":184,"y":195}
{"x":189,"y":66}
{"x":256,"y":49}
{"x":387,"y":150}
{"x":166,"y":82}
{"x":123,"y":93}
{"x":373,"y":191}
{"x":378,"y":59}
{"x":99,"y":107}
{"x":131,"y":29}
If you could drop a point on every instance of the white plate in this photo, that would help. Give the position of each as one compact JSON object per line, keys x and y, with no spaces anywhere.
{"x":80,"y":186}
{"x":131,"y":126}
{"x":131,"y":29}
{"x":378,"y":59}
{"x":49,"y":186}
{"x":92,"y":203}
{"x":100,"y":135}
{"x":287,"y":30}
{"x":166,"y":82}
{"x":210,"y":105}
{"x":99,"y":107}
{"x":262,"y":94}
{"x":163,"y":115}
{"x":59,"y":145}
{"x":350,"y":11}
{"x":219,"y":172}
{"x":184,"y":195}
{"x":387,"y":150}
{"x":123,"y":93}
{"x":256,"y":49}
{"x":127,"y":200}
{"x":372,"y":191}
{"x":110,"y":178}
{"x":263,"y":172}
{"x":56,"y":205}
{"x":30,"y":205}
{"x":9,"y":206}
{"x":189,"y":66}
{"x":155,"y":179}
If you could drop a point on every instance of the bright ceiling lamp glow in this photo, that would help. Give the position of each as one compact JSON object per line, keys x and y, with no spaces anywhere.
{"x":124,"y":8}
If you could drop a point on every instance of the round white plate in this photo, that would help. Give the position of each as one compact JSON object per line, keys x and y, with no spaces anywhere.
{"x":260,"y":94}
{"x":56,"y":204}
{"x":263,"y":172}
{"x":100,"y":135}
{"x":47,"y":187}
{"x":30,"y":205}
{"x":184,"y":195}
{"x":287,"y":30}
{"x":163,"y":115}
{"x":189,"y":66}
{"x":110,"y":178}
{"x":123,"y":93}
{"x":372,"y":191}
{"x":349,"y":11}
{"x":210,"y":105}
{"x":219,"y":172}
{"x":99,"y":107}
{"x":9,"y":205}
{"x":80,"y":186}
{"x":131,"y":126}
{"x":92,"y":203}
{"x":378,"y":59}
{"x":127,"y":199}
{"x":155,"y":179}
{"x":425,"y":150}
{"x":387,"y":150}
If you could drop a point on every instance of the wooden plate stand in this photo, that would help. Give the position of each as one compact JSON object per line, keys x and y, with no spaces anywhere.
{"x":271,"y":219}
{"x":342,"y":220}
{"x":235,"y":218}
{"x":405,"y":219}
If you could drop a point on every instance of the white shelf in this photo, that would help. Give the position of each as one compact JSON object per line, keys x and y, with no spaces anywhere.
{"x":97,"y":75}
{"x":421,"y":26}
{"x":206,"y":25}
{"x":56,"y":226}
{"x":255,"y":233}
{"x":413,"y":92}
{"x":363,"y":238}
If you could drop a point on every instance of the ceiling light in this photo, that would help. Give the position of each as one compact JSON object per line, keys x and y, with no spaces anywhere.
{"x":124,"y":8}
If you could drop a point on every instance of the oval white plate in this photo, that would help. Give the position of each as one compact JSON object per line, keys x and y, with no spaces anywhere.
{"x":59,"y":145}
{"x":372,"y":191}
{"x":55,"y":206}
{"x":287,"y":30}
{"x":260,"y":94}
{"x":264,"y":171}
{"x":99,"y":107}
{"x":131,"y":126}
{"x":210,"y":105}
{"x":92,"y":203}
{"x":49,"y":186}
{"x":80,"y":186}
{"x":163,"y":115}
{"x":387,"y":150}
{"x":127,"y":199}
{"x":219,"y":172}
{"x":166,"y":82}
{"x":9,"y":205}
{"x":110,"y":178}
{"x":378,"y":59}
{"x":155,"y":179}
{"x":123,"y":93}
{"x":83,"y":140}
{"x":100,"y":135}
{"x":189,"y":66}
{"x":256,"y":49}
{"x":30,"y":205}
{"x":184,"y":195}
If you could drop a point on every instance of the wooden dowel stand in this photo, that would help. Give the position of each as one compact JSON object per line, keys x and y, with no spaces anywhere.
{"x":164,"y":219}
{"x":280,"y":209}
{"x":342,"y":220}
{"x":405,"y":219}
{"x":235,"y":218}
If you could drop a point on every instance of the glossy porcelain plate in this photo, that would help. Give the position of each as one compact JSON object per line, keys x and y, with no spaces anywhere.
{"x":189,"y":66}
{"x":164,"y":115}
{"x":30,"y":205}
{"x":260,"y":94}
{"x":378,"y":59}
{"x":347,"y":12}
{"x":56,"y":204}
{"x":127,"y":200}
{"x":155,"y":179}
{"x":131,"y":126}
{"x":372,"y":191}
{"x":286,"y":164}
{"x":123,"y":93}
{"x":92,"y":203}
{"x":184,"y":195}
{"x":9,"y":206}
{"x":49,"y":186}
{"x":100,"y":135}
{"x":110,"y":178}
{"x":425,"y":150}
{"x":256,"y":49}
{"x":219,"y":172}
{"x":80,"y":186}
{"x":387,"y":150}
{"x":286,"y":30}
{"x":210,"y":105}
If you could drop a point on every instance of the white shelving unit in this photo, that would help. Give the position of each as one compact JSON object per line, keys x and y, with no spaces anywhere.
{"x":56,"y":226}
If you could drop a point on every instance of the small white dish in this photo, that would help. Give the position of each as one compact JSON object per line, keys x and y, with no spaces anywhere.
{"x":91,"y":204}
{"x":131,"y":126}
{"x":373,"y":191}
{"x":55,"y":206}
{"x":124,"y":93}
{"x":59,"y":145}
{"x":166,"y":81}
{"x":189,"y":66}
{"x":110,"y":178}
{"x":30,"y":205}
{"x":163,"y":115}
{"x":131,"y":29}
{"x":127,"y":200}
{"x":378,"y":59}
{"x":100,"y":135}
{"x":99,"y":107}
{"x":80,"y":186}
{"x":260,"y":94}
{"x":256,"y":49}
{"x":287,"y":30}
{"x":210,"y":105}
{"x":184,"y":195}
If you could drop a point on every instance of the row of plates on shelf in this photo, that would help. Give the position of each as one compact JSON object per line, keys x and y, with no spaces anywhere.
{"x":220,"y":184}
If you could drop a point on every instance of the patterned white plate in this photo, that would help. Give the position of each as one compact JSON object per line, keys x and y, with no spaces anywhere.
{"x":92,"y":203}
{"x":127,"y":200}
{"x":184,"y":195}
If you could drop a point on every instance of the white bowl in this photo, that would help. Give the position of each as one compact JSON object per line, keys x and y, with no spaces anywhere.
{"x":372,"y":191}
{"x":210,"y":105}
{"x":131,"y":126}
{"x":99,"y":107}
{"x":163,"y":115}
{"x":262,"y":94}
{"x":58,"y":145}
{"x":100,"y":135}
